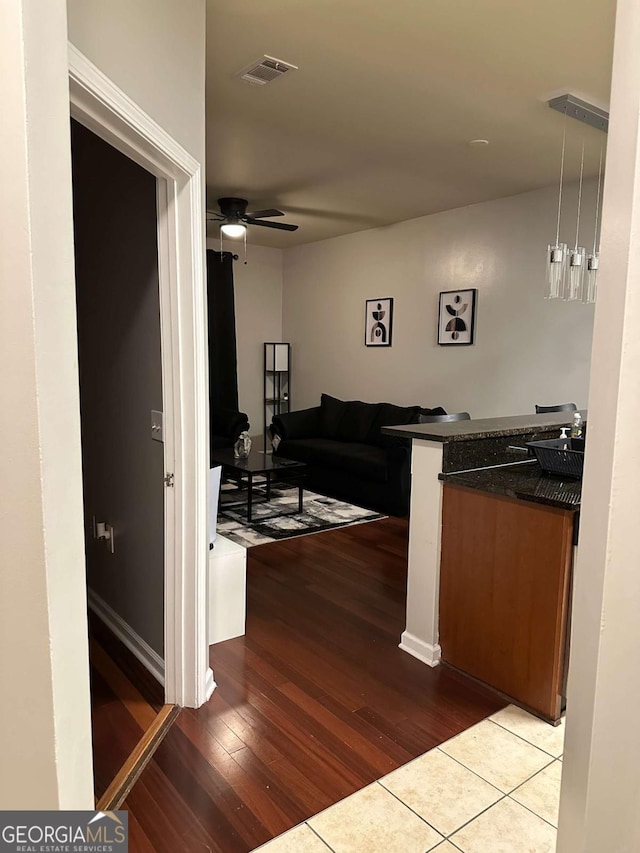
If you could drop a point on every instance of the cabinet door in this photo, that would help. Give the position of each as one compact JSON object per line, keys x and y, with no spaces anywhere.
{"x":504,"y":581}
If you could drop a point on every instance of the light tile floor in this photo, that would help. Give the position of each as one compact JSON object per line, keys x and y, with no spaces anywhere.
{"x":495,"y":788}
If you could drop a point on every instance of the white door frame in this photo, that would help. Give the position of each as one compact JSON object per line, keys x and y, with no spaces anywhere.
{"x":97,"y":103}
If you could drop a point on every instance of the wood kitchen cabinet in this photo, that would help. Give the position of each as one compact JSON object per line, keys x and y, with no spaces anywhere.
{"x":504,"y":594}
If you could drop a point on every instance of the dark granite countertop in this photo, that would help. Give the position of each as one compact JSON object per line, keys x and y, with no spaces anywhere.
{"x":525,"y":481}
{"x":482,"y":428}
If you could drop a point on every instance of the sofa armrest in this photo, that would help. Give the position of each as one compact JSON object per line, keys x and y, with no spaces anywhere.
{"x":302,"y":424}
{"x":399,"y":454}
{"x":229,"y":423}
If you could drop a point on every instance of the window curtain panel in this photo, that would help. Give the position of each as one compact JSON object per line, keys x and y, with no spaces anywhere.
{"x":223,"y":359}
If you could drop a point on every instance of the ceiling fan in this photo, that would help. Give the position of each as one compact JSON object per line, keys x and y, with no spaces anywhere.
{"x":234,"y":218}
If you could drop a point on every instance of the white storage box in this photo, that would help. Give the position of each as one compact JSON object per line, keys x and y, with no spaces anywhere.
{"x":227,"y":590}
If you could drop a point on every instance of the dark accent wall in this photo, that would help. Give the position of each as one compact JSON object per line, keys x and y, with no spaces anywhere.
{"x":120,"y":379}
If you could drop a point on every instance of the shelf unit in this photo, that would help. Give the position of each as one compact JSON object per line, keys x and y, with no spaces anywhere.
{"x":277,"y":383}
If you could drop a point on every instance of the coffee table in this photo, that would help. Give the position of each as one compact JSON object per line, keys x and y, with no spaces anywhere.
{"x":272,"y":468}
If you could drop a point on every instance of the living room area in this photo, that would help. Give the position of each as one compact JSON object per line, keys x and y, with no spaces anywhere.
{"x":315,"y":701}
{"x":431,"y":110}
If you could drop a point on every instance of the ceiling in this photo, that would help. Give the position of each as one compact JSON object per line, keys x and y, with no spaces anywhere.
{"x":374,"y":126}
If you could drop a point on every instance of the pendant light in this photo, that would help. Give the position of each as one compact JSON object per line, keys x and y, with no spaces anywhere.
{"x":571,"y":273}
{"x":593,"y":259}
{"x":557,"y":253}
{"x":576,"y":260}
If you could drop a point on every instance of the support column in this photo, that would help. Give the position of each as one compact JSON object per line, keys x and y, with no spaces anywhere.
{"x":45,"y":728}
{"x":601,"y":778}
{"x":420,"y":637}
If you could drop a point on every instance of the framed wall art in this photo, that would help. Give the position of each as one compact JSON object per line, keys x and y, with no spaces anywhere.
{"x":378,"y":322}
{"x":457,"y":317}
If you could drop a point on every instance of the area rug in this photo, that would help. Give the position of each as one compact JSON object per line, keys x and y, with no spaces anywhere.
{"x":279,"y":518}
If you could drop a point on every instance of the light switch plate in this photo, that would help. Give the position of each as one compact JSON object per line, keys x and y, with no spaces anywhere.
{"x":157,"y":426}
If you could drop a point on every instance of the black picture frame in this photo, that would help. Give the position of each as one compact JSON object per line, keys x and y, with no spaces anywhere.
{"x":450,"y":333}
{"x":378,"y":331}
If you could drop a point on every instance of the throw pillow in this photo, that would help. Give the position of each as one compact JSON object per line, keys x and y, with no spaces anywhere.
{"x":332,"y":411}
{"x":356,"y":422}
{"x":390,"y":415}
{"x":437,"y":411}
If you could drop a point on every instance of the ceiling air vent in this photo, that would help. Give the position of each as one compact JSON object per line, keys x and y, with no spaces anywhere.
{"x":266,"y":70}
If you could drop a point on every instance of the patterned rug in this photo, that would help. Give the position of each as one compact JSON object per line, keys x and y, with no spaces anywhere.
{"x":279,"y":518}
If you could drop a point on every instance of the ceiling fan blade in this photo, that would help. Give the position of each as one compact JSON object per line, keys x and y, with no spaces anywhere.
{"x":281,"y":226}
{"x":260,"y":214}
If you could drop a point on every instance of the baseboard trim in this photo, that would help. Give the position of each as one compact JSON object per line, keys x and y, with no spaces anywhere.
{"x":130,"y":772}
{"x":210,"y":684}
{"x":416,"y":647}
{"x":149,"y":658}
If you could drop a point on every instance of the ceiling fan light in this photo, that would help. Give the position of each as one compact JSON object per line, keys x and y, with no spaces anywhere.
{"x":233,"y":229}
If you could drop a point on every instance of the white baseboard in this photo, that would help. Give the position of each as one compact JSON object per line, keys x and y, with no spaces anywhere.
{"x":149,"y":658}
{"x":419,"y":649}
{"x":210,"y":685}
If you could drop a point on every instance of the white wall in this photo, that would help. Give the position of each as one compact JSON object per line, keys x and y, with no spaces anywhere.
{"x":155,"y":52}
{"x":45,"y":733}
{"x":527,"y":350}
{"x":600,"y":773}
{"x":258,"y":298}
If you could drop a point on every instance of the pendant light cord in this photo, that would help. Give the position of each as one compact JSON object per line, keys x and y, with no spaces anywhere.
{"x":564,"y":139}
{"x":595,"y":230}
{"x":580,"y":195}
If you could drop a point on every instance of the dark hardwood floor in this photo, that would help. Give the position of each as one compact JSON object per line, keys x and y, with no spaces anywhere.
{"x":125,"y":700}
{"x":314,"y":703}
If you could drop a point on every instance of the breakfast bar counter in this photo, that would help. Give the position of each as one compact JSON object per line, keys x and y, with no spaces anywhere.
{"x":491,"y":541}
{"x":524,"y":481}
{"x":514,"y":425}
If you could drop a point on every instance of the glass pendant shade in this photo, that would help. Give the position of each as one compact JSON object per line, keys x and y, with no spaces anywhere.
{"x":590,"y":288}
{"x":556,"y":267}
{"x":575,"y":274}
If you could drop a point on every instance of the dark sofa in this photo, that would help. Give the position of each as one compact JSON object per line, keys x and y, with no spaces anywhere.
{"x":348,"y":457}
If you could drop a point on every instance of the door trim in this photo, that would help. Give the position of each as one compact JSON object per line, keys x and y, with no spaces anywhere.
{"x":98,"y":104}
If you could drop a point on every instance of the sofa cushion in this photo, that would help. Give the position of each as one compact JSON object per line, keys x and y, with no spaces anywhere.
{"x":362,"y":460}
{"x":390,"y":415}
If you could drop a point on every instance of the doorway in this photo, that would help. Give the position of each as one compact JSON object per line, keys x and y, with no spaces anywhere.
{"x":120,"y":370}
{"x":100,"y":106}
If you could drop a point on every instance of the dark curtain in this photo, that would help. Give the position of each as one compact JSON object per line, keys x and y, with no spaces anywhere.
{"x":223,"y":362}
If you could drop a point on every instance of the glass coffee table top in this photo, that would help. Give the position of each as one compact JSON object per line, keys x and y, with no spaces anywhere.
{"x":255,"y":462}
